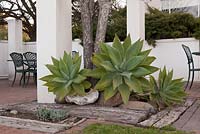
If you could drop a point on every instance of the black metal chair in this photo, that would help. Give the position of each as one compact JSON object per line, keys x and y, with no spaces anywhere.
{"x":190,"y":65}
{"x":31,"y":62}
{"x":17,"y":59}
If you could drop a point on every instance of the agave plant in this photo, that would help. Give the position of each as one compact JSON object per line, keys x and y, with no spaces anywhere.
{"x":122,"y":68}
{"x":66,"y":78}
{"x":167,"y":91}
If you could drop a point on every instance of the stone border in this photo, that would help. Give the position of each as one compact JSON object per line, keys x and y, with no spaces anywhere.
{"x":33,"y":125}
{"x":167,"y":116}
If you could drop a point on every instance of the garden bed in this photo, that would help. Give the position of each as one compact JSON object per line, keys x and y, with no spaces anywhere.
{"x":31,"y":116}
{"x":27,"y":116}
{"x":31,"y":121}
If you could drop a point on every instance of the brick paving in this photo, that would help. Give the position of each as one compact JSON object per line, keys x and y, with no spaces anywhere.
{"x":16,"y":94}
{"x":9,"y":130}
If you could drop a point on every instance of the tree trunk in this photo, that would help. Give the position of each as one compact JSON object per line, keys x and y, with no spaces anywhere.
{"x":104,"y":10}
{"x":87,"y":26}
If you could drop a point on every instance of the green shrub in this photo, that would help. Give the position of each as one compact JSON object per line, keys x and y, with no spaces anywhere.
{"x":45,"y":114}
{"x":122,"y":68}
{"x":66,"y":78}
{"x":3,"y":32}
{"x":197,"y":29}
{"x":167,"y":91}
{"x":160,"y":25}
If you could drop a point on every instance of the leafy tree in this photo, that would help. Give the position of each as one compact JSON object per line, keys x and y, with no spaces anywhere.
{"x":117,"y":24}
{"x":197,"y":29}
{"x":3,"y":32}
{"x":160,"y":25}
{"x":24,"y":10}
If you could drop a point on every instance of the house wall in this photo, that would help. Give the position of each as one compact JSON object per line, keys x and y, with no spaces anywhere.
{"x":154,"y":3}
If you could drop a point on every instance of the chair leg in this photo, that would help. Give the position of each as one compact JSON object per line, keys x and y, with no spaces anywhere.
{"x":192,"y":79}
{"x":35,"y":78}
{"x":24,"y":78}
{"x":14,"y":79}
{"x":28,"y":78}
{"x":188,"y":80}
{"x":20,"y":83}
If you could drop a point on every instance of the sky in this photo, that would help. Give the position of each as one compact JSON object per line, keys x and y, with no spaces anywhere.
{"x":122,"y":2}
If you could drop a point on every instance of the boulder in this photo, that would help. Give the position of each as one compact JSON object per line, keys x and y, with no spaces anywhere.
{"x":138,"y":105}
{"x":90,"y":98}
{"x":112,"y":102}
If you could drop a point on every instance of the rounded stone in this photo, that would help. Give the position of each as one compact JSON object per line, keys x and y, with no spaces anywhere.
{"x":90,"y":98}
{"x":15,"y":112}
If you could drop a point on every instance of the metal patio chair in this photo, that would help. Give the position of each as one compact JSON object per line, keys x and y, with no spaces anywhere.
{"x":17,"y":59}
{"x":191,"y":68}
{"x":31,"y":62}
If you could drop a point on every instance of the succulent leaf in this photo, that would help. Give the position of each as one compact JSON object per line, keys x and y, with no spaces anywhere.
{"x":167,"y":91}
{"x":122,"y":68}
{"x":66,"y":78}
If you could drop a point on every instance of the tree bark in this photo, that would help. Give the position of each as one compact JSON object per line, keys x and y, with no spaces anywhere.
{"x":87,"y":26}
{"x":104,"y":10}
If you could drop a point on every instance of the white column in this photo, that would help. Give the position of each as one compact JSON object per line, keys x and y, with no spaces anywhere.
{"x":136,"y":19}
{"x":54,"y":36}
{"x":14,"y":42}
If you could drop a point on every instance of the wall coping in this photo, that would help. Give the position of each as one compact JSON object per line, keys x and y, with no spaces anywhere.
{"x":176,"y":40}
{"x":3,"y":41}
{"x":29,"y":43}
{"x":157,"y":41}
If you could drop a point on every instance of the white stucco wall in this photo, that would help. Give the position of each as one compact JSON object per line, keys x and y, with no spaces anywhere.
{"x":170,"y":53}
{"x":3,"y":59}
{"x":25,"y":47}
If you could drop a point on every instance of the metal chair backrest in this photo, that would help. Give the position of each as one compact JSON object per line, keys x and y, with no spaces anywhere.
{"x":17,"y":59}
{"x":188,"y":54}
{"x":31,"y":58}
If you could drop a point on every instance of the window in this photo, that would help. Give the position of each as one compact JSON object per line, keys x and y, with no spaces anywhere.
{"x":187,"y":6}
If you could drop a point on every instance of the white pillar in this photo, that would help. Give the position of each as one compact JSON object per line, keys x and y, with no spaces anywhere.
{"x":54,"y":36}
{"x":136,"y":19}
{"x":14,"y":42}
